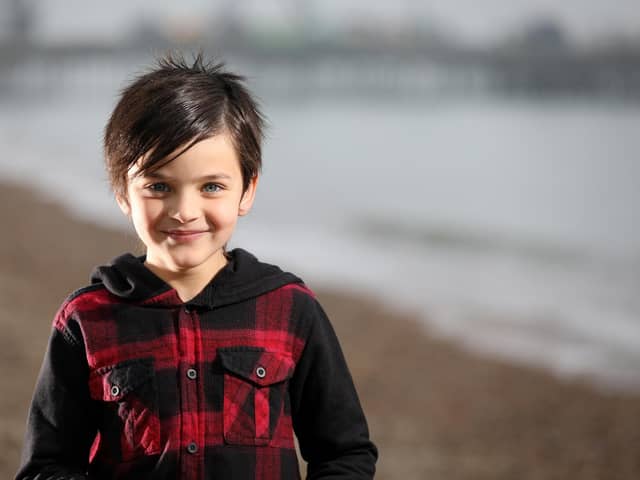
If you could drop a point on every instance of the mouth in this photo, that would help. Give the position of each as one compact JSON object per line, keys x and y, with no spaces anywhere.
{"x":184,"y":235}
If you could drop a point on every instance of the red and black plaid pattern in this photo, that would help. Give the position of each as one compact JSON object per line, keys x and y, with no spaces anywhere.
{"x":138,"y":385}
{"x":176,"y":385}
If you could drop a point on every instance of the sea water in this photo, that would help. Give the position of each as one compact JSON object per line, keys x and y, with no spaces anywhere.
{"x":510,"y":225}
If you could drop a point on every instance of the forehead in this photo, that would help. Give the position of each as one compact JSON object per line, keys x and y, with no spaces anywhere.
{"x":215,"y":155}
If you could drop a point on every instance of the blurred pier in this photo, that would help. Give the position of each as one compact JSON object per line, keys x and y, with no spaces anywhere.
{"x":334,"y":70}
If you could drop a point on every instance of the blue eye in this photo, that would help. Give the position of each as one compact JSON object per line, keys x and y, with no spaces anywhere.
{"x":211,"y":188}
{"x":159,"y":187}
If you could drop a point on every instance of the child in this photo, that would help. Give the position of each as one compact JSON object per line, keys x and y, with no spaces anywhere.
{"x":191,"y":362}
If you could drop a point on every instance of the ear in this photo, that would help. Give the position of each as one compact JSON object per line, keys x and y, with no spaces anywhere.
{"x":123,"y":203}
{"x":246,"y":202}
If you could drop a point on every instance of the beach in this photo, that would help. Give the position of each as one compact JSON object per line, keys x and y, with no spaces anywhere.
{"x":435,"y":410}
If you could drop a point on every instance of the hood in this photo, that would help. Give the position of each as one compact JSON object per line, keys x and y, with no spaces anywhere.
{"x":243,"y":278}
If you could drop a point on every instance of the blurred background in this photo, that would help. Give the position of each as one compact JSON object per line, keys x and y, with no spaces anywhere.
{"x":458,"y":179}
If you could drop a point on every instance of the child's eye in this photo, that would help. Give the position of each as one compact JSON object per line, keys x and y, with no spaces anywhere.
{"x":211,"y":188}
{"x":158,"y":187}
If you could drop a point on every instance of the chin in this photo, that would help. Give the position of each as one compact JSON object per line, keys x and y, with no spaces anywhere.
{"x":188,"y":262}
{"x":180,"y":264}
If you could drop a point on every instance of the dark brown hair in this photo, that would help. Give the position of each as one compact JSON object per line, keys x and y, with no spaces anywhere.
{"x":176,"y":105}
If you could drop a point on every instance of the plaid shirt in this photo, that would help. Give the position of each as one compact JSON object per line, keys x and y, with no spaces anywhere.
{"x":136,"y":384}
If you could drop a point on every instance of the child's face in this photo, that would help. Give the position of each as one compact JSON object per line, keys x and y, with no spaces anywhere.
{"x":186,"y":211}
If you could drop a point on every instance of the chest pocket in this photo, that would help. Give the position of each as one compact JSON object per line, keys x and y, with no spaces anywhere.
{"x":255,"y":395}
{"x":128,"y":419}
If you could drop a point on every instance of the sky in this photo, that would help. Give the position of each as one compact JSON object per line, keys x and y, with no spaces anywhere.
{"x":475,"y":21}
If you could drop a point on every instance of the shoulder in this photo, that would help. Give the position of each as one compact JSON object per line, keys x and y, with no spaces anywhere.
{"x":278,"y":284}
{"x":301,"y":303}
{"x":86,"y":299}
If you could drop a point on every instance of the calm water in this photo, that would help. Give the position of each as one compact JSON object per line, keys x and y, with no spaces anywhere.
{"x":511,"y":225}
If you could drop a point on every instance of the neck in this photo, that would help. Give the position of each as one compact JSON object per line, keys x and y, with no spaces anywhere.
{"x":188,"y":283}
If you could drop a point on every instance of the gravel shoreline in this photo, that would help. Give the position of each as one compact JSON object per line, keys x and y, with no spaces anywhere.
{"x":435,"y":410}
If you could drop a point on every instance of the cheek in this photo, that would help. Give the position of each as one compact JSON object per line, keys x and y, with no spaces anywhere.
{"x":146,"y":214}
{"x":227,"y":218}
{"x":222,"y":215}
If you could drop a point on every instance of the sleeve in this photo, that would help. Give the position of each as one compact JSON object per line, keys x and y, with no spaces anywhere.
{"x":327,"y":417}
{"x":59,"y":431}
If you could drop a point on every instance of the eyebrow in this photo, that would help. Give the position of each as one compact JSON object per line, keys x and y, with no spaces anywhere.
{"x":213,"y":176}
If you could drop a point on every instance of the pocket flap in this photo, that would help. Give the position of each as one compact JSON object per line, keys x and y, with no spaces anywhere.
{"x":113,"y":382}
{"x":256,"y":365}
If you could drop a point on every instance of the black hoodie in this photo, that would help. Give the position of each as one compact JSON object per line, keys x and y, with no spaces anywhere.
{"x":137,"y":384}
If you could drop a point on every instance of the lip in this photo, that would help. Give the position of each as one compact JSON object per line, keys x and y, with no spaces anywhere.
{"x":184,"y":235}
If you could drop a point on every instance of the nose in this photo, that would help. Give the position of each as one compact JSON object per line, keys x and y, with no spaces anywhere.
{"x":185,"y":207}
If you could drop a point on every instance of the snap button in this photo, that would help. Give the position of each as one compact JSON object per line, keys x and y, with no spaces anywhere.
{"x":192,"y":374}
{"x":192,"y":447}
{"x":188,"y":309}
{"x":115,"y":390}
{"x":261,"y":372}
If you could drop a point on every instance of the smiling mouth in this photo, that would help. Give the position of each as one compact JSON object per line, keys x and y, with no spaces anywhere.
{"x":184,"y":232}
{"x":184,"y":235}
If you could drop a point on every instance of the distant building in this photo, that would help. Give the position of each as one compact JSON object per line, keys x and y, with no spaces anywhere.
{"x":542,"y":36}
{"x":18,"y":21}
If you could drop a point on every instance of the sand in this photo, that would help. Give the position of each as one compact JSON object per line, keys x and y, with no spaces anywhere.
{"x":435,"y":410}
